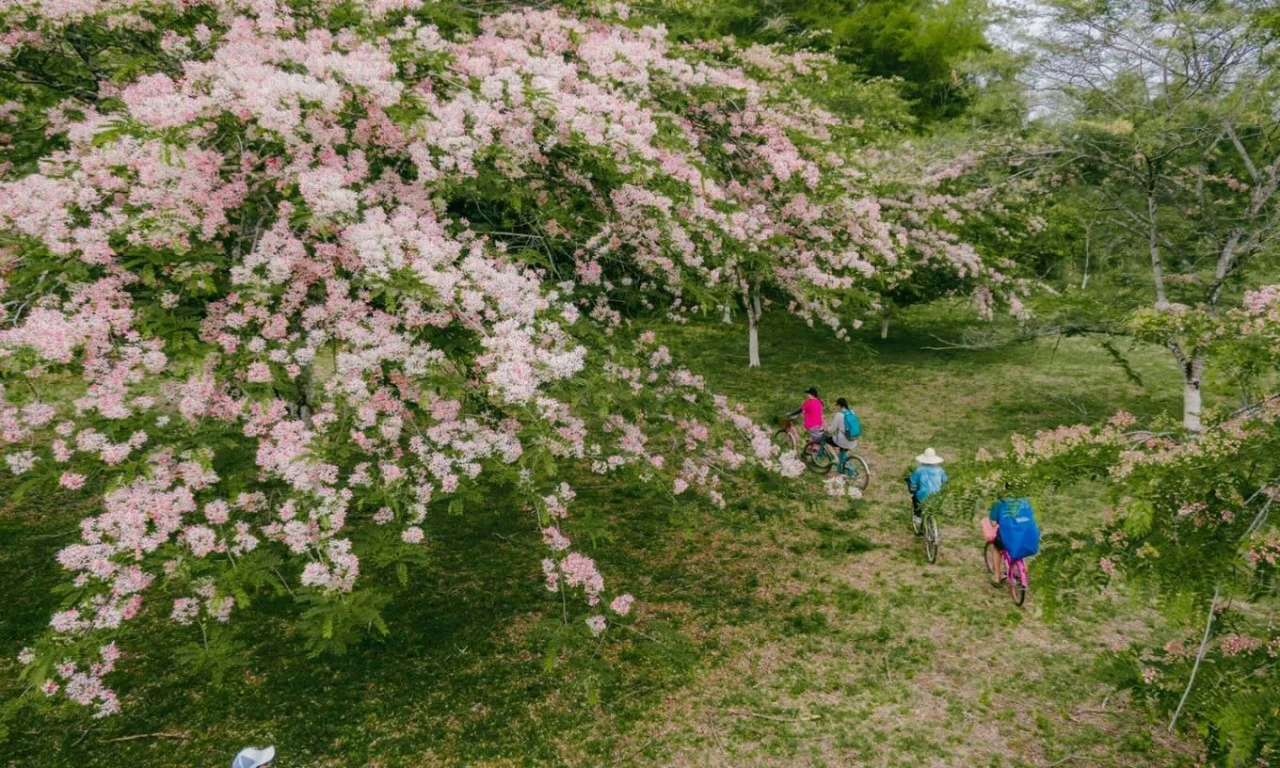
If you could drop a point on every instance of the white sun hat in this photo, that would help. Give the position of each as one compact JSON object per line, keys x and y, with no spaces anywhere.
{"x":929,"y":457}
{"x":250,"y":757}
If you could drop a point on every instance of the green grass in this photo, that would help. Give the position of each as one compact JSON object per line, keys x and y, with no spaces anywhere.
{"x":768,"y":633}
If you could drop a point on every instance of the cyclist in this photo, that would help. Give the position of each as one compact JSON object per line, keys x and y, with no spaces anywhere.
{"x":812,"y":410}
{"x":843,"y":433}
{"x":1008,"y":504}
{"x":927,"y":479}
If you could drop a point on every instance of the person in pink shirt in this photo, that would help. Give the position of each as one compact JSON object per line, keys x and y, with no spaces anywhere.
{"x":811,"y":408}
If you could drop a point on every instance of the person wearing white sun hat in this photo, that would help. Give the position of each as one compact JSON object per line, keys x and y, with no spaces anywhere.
{"x":251,"y":757}
{"x":925,"y":481}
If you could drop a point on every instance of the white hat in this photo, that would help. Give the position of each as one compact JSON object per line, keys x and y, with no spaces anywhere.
{"x":929,"y":457}
{"x":253,"y":758}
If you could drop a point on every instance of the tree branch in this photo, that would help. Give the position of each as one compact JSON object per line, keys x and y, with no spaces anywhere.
{"x":1204,"y":643}
{"x":1240,"y":150}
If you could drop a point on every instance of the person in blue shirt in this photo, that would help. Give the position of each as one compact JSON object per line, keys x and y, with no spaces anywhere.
{"x":925,"y":481}
{"x":1008,"y":504}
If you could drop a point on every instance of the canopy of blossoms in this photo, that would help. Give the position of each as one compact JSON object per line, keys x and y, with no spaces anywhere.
{"x":279,"y":273}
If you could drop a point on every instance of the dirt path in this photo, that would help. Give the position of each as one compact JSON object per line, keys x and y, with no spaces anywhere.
{"x":868,"y":655}
{"x":911,"y":664}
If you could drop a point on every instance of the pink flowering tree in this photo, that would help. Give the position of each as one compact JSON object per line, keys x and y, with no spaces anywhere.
{"x":834,"y":227}
{"x":964,"y":213}
{"x":778,"y":201}
{"x":1191,"y":523}
{"x":285,"y":282}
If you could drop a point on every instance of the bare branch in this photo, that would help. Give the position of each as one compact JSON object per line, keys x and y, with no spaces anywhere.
{"x":1213,"y":606}
{"x":1240,"y":150}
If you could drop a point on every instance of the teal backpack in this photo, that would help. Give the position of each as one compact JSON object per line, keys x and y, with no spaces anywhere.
{"x":852,"y":426}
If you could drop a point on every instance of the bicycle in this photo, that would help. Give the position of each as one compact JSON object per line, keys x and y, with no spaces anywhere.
{"x":1002,"y":567}
{"x":820,"y":457}
{"x":926,"y":527}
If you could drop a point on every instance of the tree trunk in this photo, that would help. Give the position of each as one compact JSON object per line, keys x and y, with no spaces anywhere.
{"x":1153,"y":245}
{"x":727,"y":318}
{"x":884,"y":326}
{"x":752,"y":302}
{"x":1192,"y":378}
{"x":1084,"y":281}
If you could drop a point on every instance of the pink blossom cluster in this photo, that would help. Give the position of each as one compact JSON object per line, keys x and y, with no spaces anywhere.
{"x":709,"y":443}
{"x":621,"y":604}
{"x":1234,"y":645}
{"x":85,"y":686}
{"x":1047,"y":444}
{"x":1264,"y":548}
{"x":1261,"y":301}
{"x":841,"y":486}
{"x":1133,"y":450}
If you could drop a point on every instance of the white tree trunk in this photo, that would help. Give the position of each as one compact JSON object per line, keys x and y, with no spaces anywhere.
{"x":755,"y":302}
{"x":1153,"y":245}
{"x":753,"y":330}
{"x":1084,"y":282}
{"x":727,"y":318}
{"x":753,"y":335}
{"x":884,"y":327}
{"x":1192,"y":378}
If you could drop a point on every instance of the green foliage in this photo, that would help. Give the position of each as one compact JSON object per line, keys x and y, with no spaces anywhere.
{"x":254,"y":573}
{"x":925,"y":44}
{"x":334,"y":622}
{"x":1190,"y":526}
{"x":1235,"y":701}
{"x":384,"y":554}
{"x":213,"y":657}
{"x":931,"y":50}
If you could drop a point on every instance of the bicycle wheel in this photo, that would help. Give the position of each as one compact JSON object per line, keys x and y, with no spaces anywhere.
{"x":994,"y":562}
{"x":819,"y":459}
{"x":785,"y":439}
{"x":932,"y":538}
{"x":1018,"y":582}
{"x":861,"y":471}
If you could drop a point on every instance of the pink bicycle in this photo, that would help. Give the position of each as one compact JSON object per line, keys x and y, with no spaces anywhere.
{"x":1002,"y":567}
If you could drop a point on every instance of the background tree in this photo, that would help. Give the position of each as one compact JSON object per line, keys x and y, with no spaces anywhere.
{"x":1165,"y":111}
{"x":928,"y":48}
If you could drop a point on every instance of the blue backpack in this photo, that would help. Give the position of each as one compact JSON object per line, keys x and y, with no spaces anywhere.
{"x":1018,"y":531}
{"x":852,"y":427}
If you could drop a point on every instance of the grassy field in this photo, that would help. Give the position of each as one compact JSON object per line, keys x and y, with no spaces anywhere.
{"x":774,"y":632}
